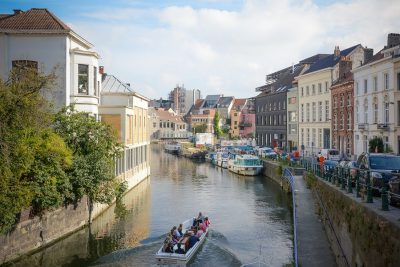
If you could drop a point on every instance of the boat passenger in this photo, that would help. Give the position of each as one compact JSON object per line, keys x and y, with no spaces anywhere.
{"x":179,"y":250}
{"x":175,"y":238}
{"x":180,"y":227}
{"x":207,"y":222}
{"x":192,"y":241}
{"x":170,"y":248}
{"x":203,"y":226}
{"x":199,"y":232}
{"x":199,"y":219}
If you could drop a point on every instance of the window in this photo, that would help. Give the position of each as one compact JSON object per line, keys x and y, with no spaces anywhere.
{"x":320,"y":111}
{"x":366,"y":111}
{"x":319,"y":88}
{"x":334,"y":121}
{"x":302,"y":112}
{"x":386,"y":142}
{"x":314,"y":111}
{"x":284,"y":105}
{"x":386,"y":81}
{"x":279,"y":105}
{"x":342,"y":121}
{"x":307,"y":90}
{"x":319,"y":137}
{"x":349,"y":121}
{"x":357,"y":113}
{"x":398,"y":113}
{"x":308,"y":112}
{"x":365,"y":86}
{"x":308,"y":143}
{"x":313,"y":89}
{"x":326,"y":87}
{"x":326,"y":110}
{"x":292,"y":129}
{"x":398,"y":81}
{"x":83,"y":71}
{"x":357,"y":88}
{"x":386,"y":105}
{"x":375,"y":84}
{"x":302,"y":91}
{"x":314,"y":136}
{"x":342,"y":101}
{"x":95,"y":81}
{"x":376,"y":110}
{"x":302,"y":136}
{"x":292,"y":116}
{"x":349,"y":98}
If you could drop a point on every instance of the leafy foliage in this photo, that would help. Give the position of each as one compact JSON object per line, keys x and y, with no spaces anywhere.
{"x":376,"y":145}
{"x":202,"y":128}
{"x":33,"y":157}
{"x":217,"y":129}
{"x":94,"y":145}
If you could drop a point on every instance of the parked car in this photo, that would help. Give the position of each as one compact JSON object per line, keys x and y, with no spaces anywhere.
{"x":267,"y":152}
{"x":330,"y":154}
{"x":330,"y":165}
{"x":382,"y":168}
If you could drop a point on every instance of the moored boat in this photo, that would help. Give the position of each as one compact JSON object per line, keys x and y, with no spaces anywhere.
{"x":210,"y":156}
{"x":175,"y":259}
{"x":172,"y":147}
{"x":249,"y":165}
{"x":222,"y":159}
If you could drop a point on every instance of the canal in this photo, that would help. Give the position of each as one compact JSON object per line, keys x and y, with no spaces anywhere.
{"x":250,"y":219}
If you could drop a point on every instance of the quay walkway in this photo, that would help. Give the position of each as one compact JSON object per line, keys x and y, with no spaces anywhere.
{"x":313,"y":245}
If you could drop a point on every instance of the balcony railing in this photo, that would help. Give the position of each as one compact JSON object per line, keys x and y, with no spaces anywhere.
{"x":383,"y":126}
{"x":363,"y":126}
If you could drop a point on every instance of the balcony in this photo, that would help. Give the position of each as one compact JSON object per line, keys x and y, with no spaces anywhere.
{"x":363,"y":126}
{"x":383,"y":126}
{"x":245,"y":124}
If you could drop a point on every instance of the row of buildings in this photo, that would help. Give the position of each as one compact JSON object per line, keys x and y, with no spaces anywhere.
{"x":339,"y":100}
{"x":38,"y":39}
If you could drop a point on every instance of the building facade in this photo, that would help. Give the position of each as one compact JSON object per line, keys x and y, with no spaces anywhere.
{"x":342,"y":123}
{"x":166,"y":124}
{"x":377,"y":99}
{"x":38,"y":39}
{"x":292,"y":119}
{"x":315,"y":107}
{"x":183,"y":99}
{"x":126,"y":111}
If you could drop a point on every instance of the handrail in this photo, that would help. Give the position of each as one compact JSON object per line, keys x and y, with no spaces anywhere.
{"x":289,"y":177}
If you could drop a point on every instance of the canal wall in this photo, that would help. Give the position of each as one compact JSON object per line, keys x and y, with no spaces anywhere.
{"x":361,"y":234}
{"x":273,"y":170}
{"x":30,"y":234}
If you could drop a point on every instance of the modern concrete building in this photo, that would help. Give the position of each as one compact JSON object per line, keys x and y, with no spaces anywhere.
{"x":166,"y":124}
{"x":126,"y":111}
{"x":183,"y":99}
{"x":38,"y":39}
{"x":314,"y":84}
{"x":377,"y":98}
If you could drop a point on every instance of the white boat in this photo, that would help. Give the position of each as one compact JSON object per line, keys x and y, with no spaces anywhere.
{"x":222,"y":159}
{"x":175,"y":259}
{"x":172,"y":147}
{"x":249,"y":165}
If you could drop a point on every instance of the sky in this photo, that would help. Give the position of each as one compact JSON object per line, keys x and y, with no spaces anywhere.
{"x":218,"y":46}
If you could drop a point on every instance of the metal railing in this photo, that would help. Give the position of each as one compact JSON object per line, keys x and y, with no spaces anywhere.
{"x":363,"y":182}
{"x":287,"y":174}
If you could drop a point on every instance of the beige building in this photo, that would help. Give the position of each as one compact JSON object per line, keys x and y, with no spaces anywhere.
{"x":126,"y":111}
{"x":166,"y":124}
{"x":315,"y":98}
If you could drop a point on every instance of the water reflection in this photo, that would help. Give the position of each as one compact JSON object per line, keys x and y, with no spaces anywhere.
{"x":250,"y":219}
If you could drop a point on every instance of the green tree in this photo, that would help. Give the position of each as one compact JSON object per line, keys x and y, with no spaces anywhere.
{"x":33,"y":157}
{"x":201,"y":128}
{"x":376,"y":145}
{"x":217,"y":129}
{"x":95,"y":147}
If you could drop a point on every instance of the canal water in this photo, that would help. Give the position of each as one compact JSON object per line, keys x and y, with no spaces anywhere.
{"x":250,"y":218}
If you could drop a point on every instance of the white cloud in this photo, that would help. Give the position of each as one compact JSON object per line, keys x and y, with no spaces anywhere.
{"x":229,"y":52}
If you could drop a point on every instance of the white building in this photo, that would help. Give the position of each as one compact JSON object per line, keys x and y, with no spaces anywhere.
{"x":377,"y":98}
{"x":38,"y":39}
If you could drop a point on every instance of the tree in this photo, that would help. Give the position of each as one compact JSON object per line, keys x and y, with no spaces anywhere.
{"x":33,"y":157}
{"x":217,"y":129}
{"x":376,"y":145}
{"x":201,"y":128}
{"x":95,"y":147}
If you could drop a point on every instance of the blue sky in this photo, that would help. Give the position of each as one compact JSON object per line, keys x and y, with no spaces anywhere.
{"x":217,"y":46}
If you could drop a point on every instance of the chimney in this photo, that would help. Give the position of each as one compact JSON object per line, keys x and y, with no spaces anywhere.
{"x":344,"y":67}
{"x":393,"y":39}
{"x":101,"y":70}
{"x":336,"y":52}
{"x":368,"y":54}
{"x":17,"y":11}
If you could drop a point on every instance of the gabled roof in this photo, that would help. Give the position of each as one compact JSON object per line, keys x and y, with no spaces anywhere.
{"x":330,"y":61}
{"x":240,"y":102}
{"x":224,"y":102}
{"x":35,"y":19}
{"x":165,"y":114}
{"x":112,"y":84}
{"x":199,"y":103}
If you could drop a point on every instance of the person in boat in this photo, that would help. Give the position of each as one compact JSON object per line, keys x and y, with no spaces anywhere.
{"x":175,"y":238}
{"x":180,"y":229}
{"x":202,"y":226}
{"x":193,"y":239}
{"x":199,"y":219}
{"x":169,"y":248}
{"x":179,"y":250}
{"x":207,"y":222}
{"x":199,"y":232}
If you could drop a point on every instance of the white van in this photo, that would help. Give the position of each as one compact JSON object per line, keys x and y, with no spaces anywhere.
{"x":331,"y":154}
